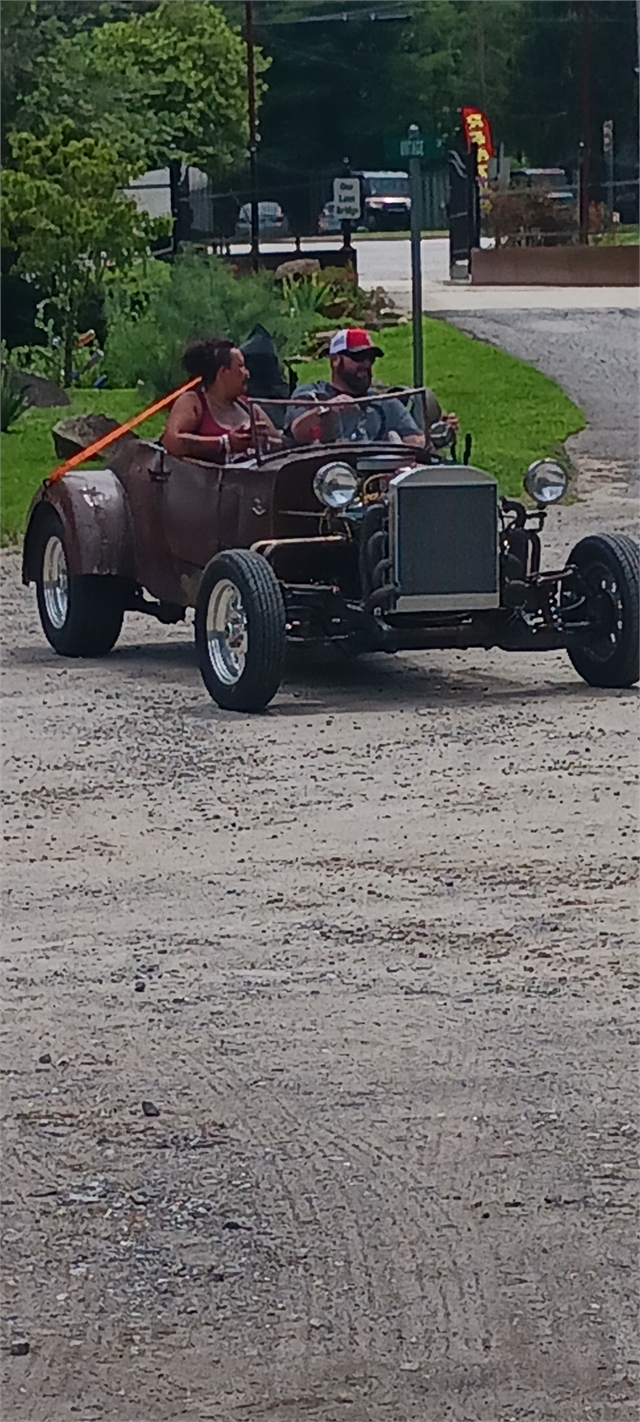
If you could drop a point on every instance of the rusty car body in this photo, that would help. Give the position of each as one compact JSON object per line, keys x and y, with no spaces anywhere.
{"x":367,"y":546}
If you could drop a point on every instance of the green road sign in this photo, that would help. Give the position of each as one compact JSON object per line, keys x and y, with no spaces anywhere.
{"x":429,"y":147}
{"x":412,"y":147}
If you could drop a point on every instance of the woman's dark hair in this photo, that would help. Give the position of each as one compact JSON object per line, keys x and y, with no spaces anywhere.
{"x":206,"y":357}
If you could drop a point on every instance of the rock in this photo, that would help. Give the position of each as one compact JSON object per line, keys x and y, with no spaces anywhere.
{"x":299,"y":266}
{"x":149,"y":1109}
{"x":76,"y":432}
{"x":45,"y":1059}
{"x":20,"y":1347}
{"x":140,"y":986}
{"x":39,"y":392}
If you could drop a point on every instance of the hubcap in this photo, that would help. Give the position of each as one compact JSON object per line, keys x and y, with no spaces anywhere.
{"x":607,"y":611}
{"x":227,"y":636}
{"x":55,"y":582}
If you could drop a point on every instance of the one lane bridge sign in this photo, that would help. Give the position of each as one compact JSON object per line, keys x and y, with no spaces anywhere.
{"x":346,"y":198}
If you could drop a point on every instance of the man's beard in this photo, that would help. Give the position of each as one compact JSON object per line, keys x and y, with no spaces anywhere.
{"x":358,"y":380}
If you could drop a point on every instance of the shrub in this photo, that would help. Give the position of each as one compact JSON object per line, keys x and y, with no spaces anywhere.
{"x":13,"y":402}
{"x":201,"y":296}
{"x":329,"y":297}
{"x":47,"y":358}
{"x":529,"y":217}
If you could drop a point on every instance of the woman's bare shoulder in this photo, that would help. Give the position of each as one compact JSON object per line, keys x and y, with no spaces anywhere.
{"x":186,"y":412}
{"x":189,"y":400}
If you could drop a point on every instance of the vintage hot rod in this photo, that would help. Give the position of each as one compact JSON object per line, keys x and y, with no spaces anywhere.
{"x":373,"y":547}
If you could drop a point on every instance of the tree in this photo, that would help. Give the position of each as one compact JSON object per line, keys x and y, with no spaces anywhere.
{"x":165,"y":85}
{"x":346,"y":79}
{"x":30,"y":29}
{"x":545,"y":108}
{"x":65,"y":216}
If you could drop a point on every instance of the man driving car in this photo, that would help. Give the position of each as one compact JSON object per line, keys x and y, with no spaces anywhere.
{"x":351,"y":357}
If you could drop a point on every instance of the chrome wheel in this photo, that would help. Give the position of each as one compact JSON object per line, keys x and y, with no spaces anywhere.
{"x":55,"y":582}
{"x":226,"y":631}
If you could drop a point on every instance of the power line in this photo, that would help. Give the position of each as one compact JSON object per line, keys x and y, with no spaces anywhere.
{"x":344,"y":16}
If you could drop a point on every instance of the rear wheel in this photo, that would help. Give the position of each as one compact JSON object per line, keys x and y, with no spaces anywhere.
{"x":240,"y":631}
{"x":609,"y":567}
{"x":80,"y":616}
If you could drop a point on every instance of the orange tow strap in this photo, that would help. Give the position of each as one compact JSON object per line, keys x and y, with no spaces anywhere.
{"x":113,"y":435}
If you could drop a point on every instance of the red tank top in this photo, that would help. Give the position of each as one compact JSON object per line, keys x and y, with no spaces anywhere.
{"x":208,"y":425}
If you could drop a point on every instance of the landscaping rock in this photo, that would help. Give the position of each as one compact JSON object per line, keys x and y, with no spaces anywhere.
{"x":39,"y":392}
{"x":76,"y":432}
{"x":299,"y":266}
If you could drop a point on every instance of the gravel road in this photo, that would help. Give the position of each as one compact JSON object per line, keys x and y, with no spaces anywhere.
{"x":368,"y":960}
{"x":593,"y":355}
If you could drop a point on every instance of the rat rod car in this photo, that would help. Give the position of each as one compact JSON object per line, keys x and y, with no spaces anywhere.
{"x":370,"y":546}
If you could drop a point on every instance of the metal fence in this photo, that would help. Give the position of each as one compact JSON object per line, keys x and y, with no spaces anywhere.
{"x":208,"y":213}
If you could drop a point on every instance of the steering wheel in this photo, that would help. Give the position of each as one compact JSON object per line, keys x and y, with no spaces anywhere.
{"x":362,"y":411}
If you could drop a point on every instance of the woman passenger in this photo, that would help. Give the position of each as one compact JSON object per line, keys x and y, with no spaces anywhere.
{"x":211,"y":421}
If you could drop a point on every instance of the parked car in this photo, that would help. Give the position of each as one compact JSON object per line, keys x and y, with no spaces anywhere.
{"x":552,"y":182}
{"x":386,"y":201}
{"x":327,"y":220}
{"x":272,"y":222}
{"x":365,"y":546}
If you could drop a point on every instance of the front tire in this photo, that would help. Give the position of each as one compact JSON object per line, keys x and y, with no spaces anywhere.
{"x":81,"y":616}
{"x":240,"y":631}
{"x":609,"y":568}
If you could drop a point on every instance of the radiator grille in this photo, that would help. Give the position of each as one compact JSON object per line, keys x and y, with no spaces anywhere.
{"x":445,"y":538}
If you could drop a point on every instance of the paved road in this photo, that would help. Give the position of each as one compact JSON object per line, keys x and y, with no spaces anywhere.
{"x":387,"y":262}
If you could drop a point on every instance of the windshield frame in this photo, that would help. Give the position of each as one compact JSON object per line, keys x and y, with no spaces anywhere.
{"x":308,"y":401}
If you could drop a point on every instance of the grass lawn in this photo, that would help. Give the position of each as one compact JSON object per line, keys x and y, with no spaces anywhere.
{"x":28,"y":454}
{"x":514,"y":413}
{"x":402,"y":236}
{"x":619,"y":237}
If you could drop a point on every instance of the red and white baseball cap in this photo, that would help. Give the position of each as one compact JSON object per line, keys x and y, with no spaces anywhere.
{"x":352,"y":340}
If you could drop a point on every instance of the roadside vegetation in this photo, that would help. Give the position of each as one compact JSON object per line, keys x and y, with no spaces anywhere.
{"x":514,"y":413}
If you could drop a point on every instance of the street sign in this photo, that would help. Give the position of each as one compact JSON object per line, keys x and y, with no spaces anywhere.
{"x":412,"y":147}
{"x":346,"y":197}
{"x":433,"y":150}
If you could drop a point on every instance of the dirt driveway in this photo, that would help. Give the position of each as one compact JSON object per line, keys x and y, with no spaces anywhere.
{"x":368,"y":961}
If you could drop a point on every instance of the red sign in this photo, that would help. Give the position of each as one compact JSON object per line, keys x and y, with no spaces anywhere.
{"x":477,"y":131}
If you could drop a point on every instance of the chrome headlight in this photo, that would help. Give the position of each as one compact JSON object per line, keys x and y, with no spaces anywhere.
{"x":335,"y":485}
{"x":545,"y":481}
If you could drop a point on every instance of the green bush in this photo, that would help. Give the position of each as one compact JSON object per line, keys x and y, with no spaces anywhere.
{"x":202,"y":296}
{"x":47,"y":358}
{"x":12,"y":402}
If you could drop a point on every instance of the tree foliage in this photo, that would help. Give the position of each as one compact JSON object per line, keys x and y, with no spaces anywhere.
{"x":163,"y":85}
{"x":345,"y":78}
{"x":65,"y":216}
{"x":29,"y":31}
{"x":201,"y":297}
{"x":545,"y":101}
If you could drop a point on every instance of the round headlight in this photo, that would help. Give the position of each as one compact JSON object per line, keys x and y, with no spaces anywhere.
{"x":335,"y":485}
{"x":545,"y":481}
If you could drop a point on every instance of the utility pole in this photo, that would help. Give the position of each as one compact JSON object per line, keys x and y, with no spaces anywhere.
{"x":253,"y":141}
{"x":346,"y":222}
{"x":607,"y":149}
{"x":480,"y":37}
{"x":415,"y":176}
{"x":585,"y":125}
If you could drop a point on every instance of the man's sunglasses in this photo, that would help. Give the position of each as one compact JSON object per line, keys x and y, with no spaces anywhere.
{"x":360,"y":356}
